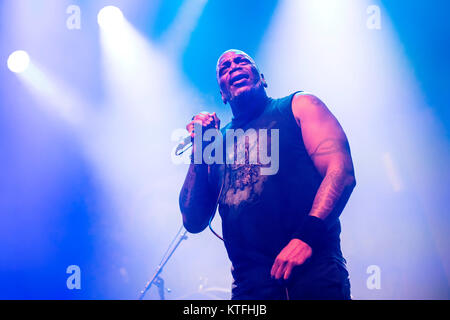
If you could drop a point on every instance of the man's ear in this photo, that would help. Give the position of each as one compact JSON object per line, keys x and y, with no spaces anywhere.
{"x":264,"y":82}
{"x":223,"y":97}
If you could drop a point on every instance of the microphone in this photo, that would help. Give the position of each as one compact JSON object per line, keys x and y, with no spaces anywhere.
{"x":184,"y":145}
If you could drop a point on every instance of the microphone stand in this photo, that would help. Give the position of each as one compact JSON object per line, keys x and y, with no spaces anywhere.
{"x":156,"y":279}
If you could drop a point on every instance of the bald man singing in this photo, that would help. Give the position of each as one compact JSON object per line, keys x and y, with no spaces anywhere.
{"x":281,"y":226}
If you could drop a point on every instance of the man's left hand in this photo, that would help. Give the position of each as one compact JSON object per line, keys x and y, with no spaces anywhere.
{"x":294,"y":254}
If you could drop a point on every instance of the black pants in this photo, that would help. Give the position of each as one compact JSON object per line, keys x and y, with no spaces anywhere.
{"x":319,"y":279}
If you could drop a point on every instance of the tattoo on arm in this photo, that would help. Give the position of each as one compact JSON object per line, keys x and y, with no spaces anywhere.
{"x":330,"y":146}
{"x":328,"y":194}
{"x":197,"y":198}
{"x":193,"y":191}
{"x":338,"y":184}
{"x":333,"y":194}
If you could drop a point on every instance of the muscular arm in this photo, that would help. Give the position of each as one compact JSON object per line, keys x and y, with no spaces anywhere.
{"x":328,"y":148}
{"x":327,"y":145}
{"x":197,"y":200}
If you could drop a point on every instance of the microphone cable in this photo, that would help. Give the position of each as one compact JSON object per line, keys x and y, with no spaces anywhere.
{"x":215,"y":207}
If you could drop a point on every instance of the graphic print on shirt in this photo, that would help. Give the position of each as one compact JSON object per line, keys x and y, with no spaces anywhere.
{"x":244,"y":182}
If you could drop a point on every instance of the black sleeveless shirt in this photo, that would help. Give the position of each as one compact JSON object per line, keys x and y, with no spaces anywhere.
{"x":260,"y":212}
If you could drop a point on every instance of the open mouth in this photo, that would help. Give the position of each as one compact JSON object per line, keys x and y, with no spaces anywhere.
{"x":238,"y":79}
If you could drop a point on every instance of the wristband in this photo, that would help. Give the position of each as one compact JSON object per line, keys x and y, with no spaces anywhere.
{"x":312,"y":231}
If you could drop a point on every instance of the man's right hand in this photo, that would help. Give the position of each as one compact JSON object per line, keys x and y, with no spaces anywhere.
{"x":206,"y":120}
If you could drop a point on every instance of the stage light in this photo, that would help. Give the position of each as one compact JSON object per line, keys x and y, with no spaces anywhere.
{"x":178,"y":35}
{"x":110,"y":17}
{"x":18,"y":61}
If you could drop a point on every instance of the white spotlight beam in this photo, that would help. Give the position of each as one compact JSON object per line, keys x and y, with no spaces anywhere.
{"x":177,"y":36}
{"x":110,"y":18}
{"x":18,"y":61}
{"x":147,"y":100}
{"x":55,"y":96}
{"x":363,"y":76}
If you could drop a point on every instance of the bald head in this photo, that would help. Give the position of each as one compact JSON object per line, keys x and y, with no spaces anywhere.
{"x":236,"y":52}
{"x":237,"y":74}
